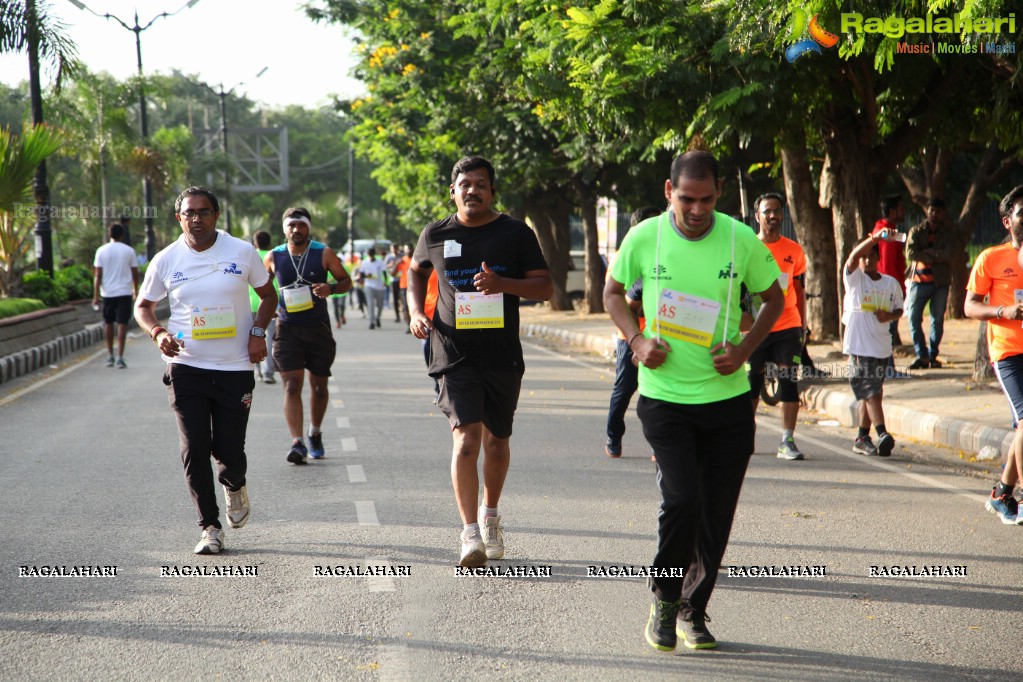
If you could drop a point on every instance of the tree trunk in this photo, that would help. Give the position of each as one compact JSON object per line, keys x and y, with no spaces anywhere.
{"x":814,"y":231}
{"x":548,"y":214}
{"x":593,"y":301}
{"x":982,"y":370}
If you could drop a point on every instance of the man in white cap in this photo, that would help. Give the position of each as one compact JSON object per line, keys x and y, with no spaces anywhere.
{"x":304,"y":339}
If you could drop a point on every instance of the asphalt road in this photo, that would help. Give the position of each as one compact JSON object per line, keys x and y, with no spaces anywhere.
{"x":91,"y":477}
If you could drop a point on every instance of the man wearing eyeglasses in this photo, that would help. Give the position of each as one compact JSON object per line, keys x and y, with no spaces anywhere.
{"x":784,"y":345}
{"x":209,"y":344}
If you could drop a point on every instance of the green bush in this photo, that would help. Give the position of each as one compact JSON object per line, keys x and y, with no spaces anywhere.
{"x":39,"y":285}
{"x":77,"y":281}
{"x":9,"y":307}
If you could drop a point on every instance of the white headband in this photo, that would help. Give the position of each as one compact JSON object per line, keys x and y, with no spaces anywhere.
{"x":297,"y":219}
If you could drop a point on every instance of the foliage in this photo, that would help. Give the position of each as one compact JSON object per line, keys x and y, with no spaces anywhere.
{"x":56,"y":49}
{"x":40,"y":285}
{"x":9,"y":307}
{"x":77,"y":281}
{"x":19,"y":158}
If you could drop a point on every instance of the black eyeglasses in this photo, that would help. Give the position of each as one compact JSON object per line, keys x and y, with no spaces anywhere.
{"x":203,"y":213}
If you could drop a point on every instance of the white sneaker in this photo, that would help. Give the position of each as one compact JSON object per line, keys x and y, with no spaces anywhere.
{"x":493,"y":536}
{"x":237,"y":507}
{"x":211,"y":542}
{"x":474,"y":554}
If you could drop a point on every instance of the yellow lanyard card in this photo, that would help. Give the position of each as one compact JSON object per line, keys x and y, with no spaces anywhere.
{"x":687,"y":318}
{"x":297,"y":298}
{"x":213,"y":322}
{"x":474,"y":310}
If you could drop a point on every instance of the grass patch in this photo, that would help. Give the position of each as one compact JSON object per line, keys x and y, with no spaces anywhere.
{"x":9,"y":307}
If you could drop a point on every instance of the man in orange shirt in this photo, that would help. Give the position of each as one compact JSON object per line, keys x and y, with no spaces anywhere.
{"x":998,"y":275}
{"x":784,"y":345}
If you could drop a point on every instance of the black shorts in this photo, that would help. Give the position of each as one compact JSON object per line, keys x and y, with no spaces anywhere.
{"x":784,"y":348}
{"x":471,"y":394}
{"x":867,"y":375}
{"x":298,"y":347}
{"x":117,"y":309}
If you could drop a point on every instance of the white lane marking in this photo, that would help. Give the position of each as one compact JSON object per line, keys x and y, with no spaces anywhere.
{"x":331,"y":387}
{"x":339,"y":404}
{"x":39,"y":384}
{"x":366,"y":512}
{"x":885,"y":466}
{"x":379,"y":583}
{"x":356,"y":474}
{"x":343,"y":423}
{"x":561,"y":356}
{"x":396,"y":663}
{"x":348,"y":445}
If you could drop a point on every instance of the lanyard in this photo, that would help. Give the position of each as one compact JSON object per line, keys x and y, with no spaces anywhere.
{"x":299,"y":279}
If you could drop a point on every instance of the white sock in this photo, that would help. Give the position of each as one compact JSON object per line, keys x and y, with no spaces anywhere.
{"x":313,"y":430}
{"x":472,"y":527}
{"x":488,"y":512}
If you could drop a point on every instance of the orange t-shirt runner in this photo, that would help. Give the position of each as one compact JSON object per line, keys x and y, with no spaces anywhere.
{"x":996,"y":275}
{"x":792,"y":261}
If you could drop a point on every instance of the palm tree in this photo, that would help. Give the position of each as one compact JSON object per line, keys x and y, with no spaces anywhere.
{"x":20,"y":156}
{"x":31,"y":28}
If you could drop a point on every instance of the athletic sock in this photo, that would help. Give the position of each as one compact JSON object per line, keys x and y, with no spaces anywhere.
{"x":489,"y":512}
{"x":881,"y":430}
{"x":472,"y":527}
{"x":313,"y":430}
{"x":787,"y":433}
{"x":863,"y":433}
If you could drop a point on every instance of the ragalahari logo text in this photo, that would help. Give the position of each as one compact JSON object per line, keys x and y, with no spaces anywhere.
{"x":818,"y":37}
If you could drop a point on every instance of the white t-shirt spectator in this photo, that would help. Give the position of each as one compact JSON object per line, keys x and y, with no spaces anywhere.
{"x":209,"y":299}
{"x":865,"y":335}
{"x":374,"y":271}
{"x":116,"y":259}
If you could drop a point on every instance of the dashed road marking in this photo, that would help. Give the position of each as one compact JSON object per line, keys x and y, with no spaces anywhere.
{"x":343,"y":423}
{"x":348,"y":445}
{"x":379,"y":583}
{"x":366,"y":512}
{"x":356,"y":474}
{"x":339,"y":404}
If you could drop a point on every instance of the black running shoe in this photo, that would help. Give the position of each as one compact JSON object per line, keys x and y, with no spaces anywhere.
{"x":316,"y":446}
{"x":694,"y":632}
{"x":298,"y":453}
{"x":660,"y":627}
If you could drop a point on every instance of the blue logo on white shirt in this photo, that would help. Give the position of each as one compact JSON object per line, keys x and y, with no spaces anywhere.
{"x":232,"y":270}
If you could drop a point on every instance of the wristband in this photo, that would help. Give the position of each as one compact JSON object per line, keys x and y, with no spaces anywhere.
{"x":634,"y":338}
{"x":155,"y":331}
{"x":998,"y":313}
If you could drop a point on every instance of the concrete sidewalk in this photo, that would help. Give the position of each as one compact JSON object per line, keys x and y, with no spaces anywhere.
{"x":938,"y":406}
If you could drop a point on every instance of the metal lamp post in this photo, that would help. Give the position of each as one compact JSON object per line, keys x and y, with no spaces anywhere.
{"x":223,"y":142}
{"x":147,"y":187}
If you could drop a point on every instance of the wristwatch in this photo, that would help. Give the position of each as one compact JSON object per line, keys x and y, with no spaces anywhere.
{"x":258,"y":332}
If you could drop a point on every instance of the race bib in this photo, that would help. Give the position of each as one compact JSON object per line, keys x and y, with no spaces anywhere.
{"x":1018,"y":296}
{"x":474,"y":310}
{"x":452,"y":249}
{"x":783,"y":282}
{"x":213,"y":322}
{"x":872,"y":302}
{"x":687,"y":318}
{"x":297,"y":299}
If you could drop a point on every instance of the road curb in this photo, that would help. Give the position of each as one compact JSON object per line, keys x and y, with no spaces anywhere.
{"x":24,"y":362}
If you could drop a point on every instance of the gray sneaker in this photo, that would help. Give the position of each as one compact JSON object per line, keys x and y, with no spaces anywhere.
{"x":237,"y":507}
{"x":864,"y":446}
{"x":474,"y":553}
{"x":788,"y":449}
{"x":493,"y":536}
{"x":211,"y":542}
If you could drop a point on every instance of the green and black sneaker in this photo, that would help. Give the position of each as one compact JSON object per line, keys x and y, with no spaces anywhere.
{"x":694,"y":632}
{"x":660,"y":627}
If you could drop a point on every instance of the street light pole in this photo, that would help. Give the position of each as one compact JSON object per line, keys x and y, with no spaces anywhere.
{"x":40,"y":188}
{"x":147,"y":186}
{"x":223,"y":94}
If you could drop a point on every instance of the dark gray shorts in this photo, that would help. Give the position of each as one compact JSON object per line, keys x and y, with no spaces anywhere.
{"x":298,"y":347}
{"x":473,"y":394}
{"x":867,"y":375}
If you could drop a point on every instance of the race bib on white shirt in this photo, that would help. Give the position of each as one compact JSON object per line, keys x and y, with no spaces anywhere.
{"x":452,"y":249}
{"x":297,"y":298}
{"x":213,"y":322}
{"x":687,"y":318}
{"x":474,"y":310}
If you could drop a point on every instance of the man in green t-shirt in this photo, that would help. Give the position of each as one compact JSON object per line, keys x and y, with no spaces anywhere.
{"x":694,"y":402}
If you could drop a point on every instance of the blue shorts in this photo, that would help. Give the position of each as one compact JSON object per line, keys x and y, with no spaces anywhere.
{"x":1010,"y":375}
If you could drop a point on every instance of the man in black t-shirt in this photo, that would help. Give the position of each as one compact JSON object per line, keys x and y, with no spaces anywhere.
{"x":486,"y":261}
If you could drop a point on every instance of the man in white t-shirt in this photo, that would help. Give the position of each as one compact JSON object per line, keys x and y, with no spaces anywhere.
{"x":210,"y":344}
{"x":115,"y":278}
{"x":872,"y":302}
{"x":372,"y":268}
